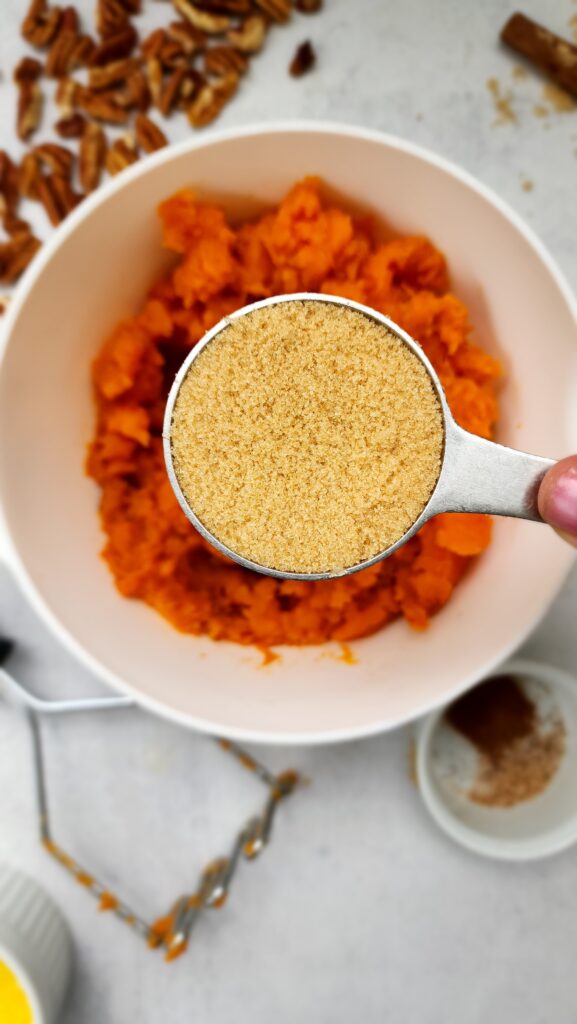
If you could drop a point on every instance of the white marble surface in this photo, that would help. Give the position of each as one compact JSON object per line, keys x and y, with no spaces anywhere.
{"x":360,"y":908}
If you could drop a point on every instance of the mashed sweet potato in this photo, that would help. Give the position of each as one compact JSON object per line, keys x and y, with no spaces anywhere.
{"x":154,"y":553}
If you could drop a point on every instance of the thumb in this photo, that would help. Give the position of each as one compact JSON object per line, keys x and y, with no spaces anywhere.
{"x":557,"y":498}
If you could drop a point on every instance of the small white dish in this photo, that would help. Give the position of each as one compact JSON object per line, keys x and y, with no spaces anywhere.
{"x":530,"y":830}
{"x":34,"y":944}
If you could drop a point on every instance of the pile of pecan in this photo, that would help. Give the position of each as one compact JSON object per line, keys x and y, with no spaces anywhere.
{"x":193,"y":65}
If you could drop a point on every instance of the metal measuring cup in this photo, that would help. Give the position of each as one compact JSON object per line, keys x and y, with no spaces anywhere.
{"x":476,"y":475}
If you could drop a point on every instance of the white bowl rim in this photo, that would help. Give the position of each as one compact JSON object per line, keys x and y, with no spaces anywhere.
{"x":23,"y":289}
{"x":528,"y":849}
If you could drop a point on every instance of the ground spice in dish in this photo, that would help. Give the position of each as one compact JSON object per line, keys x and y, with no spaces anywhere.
{"x":518,"y":753}
{"x":304,"y":244}
{"x":493,"y":715}
{"x":307,"y":437}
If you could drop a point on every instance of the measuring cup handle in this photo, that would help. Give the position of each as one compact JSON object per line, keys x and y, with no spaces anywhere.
{"x":482,"y":476}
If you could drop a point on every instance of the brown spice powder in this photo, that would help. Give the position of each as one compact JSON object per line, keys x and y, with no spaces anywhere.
{"x":493,"y":715}
{"x":518,"y":754}
{"x":522,"y":772}
{"x":306,"y":437}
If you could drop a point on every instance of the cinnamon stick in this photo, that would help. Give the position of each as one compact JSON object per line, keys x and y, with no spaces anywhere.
{"x":553,"y":55}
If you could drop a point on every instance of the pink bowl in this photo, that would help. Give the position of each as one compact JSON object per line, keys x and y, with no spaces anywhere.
{"x":97,"y":269}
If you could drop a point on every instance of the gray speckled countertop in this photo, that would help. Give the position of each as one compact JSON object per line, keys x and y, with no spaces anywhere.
{"x":360,"y":908}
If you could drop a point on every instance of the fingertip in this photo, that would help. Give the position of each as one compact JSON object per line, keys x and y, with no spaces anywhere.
{"x":557,"y":499}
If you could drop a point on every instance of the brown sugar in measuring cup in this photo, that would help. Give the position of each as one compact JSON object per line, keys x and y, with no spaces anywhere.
{"x":307,"y":436}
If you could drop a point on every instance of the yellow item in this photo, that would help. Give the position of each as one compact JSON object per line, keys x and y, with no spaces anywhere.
{"x":14,"y":1006}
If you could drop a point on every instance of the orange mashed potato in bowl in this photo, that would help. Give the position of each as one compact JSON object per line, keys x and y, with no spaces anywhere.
{"x":153,"y":552}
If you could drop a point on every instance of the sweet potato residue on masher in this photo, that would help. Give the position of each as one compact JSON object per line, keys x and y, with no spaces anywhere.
{"x":154,"y":553}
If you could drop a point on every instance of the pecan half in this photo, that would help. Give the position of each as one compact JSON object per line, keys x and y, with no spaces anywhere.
{"x":115,"y":47}
{"x":304,"y":60}
{"x":191,"y":39}
{"x":172,"y":55}
{"x":206,"y":21}
{"x":68,"y":93}
{"x":70,"y":127}
{"x":110,"y":74}
{"x":222,"y":60}
{"x":250,"y":36}
{"x":228,"y":6}
{"x":111,"y":17}
{"x":182,"y":83}
{"x":136,"y":92}
{"x":59,"y":159}
{"x":57,"y":197}
{"x":154,"y":78}
{"x":278,"y":10}
{"x":29,"y":176}
{"x":49,"y":200}
{"x":60,"y":60}
{"x":9,"y":180}
{"x":16,"y":254}
{"x":151,"y":46}
{"x":10,"y":196}
{"x":82,"y":52}
{"x":171,"y":91}
{"x":27,"y":70}
{"x":210,"y":101}
{"x":13,"y":225}
{"x":29,"y":111}
{"x":308,"y":6}
{"x":192,"y":83}
{"x":121,"y":154}
{"x":91,"y":156}
{"x":148,"y":135}
{"x":70,"y":20}
{"x":102,"y":107}
{"x":41,"y":24}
